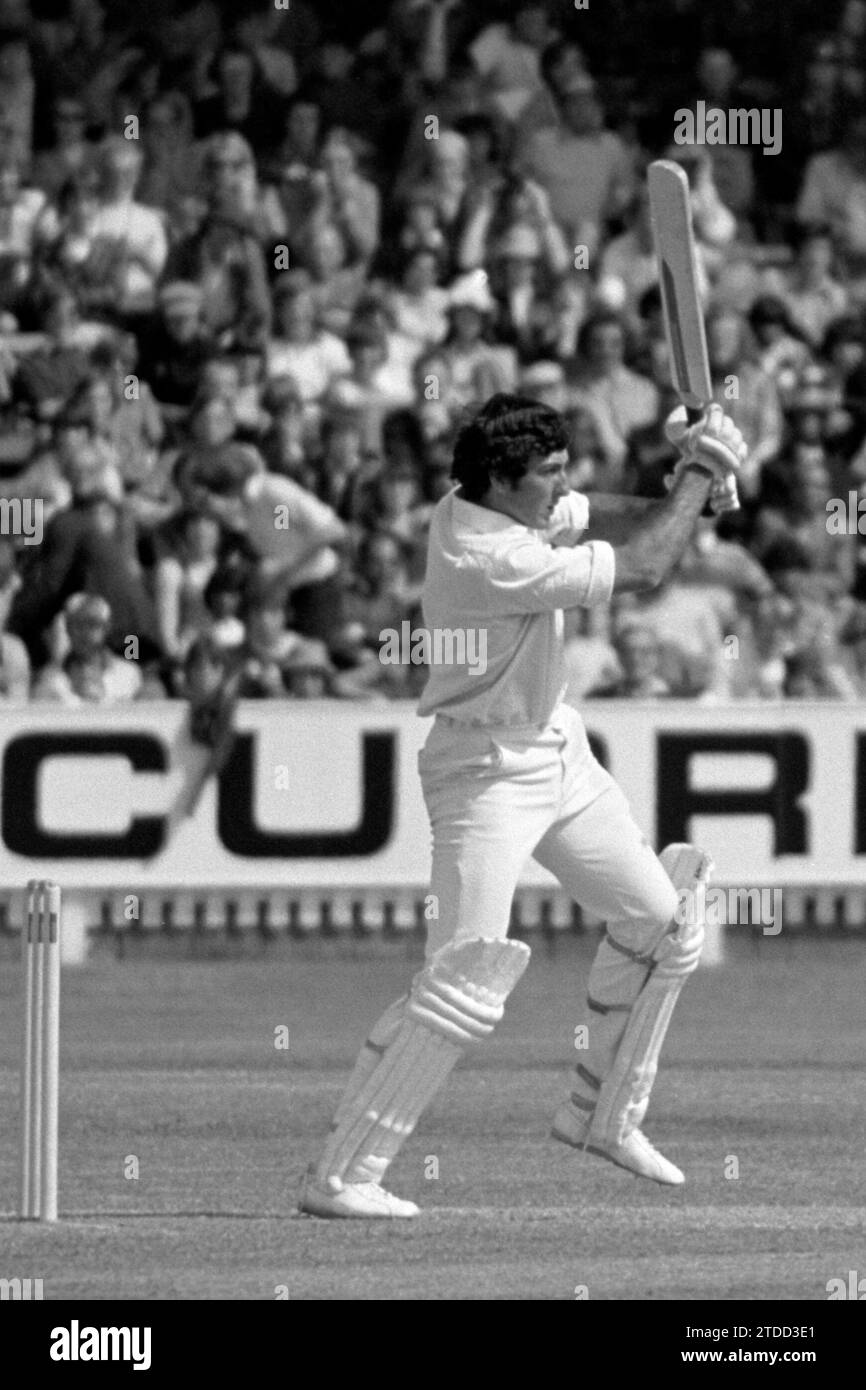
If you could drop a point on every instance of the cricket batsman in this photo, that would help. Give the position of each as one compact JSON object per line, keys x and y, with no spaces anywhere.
{"x":507,"y":772}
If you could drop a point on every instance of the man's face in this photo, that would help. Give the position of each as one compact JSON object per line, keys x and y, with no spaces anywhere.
{"x":182,"y":322}
{"x":87,"y":634}
{"x":569,"y":64}
{"x":532,"y":500}
{"x":607,"y":345}
{"x":236,"y":74}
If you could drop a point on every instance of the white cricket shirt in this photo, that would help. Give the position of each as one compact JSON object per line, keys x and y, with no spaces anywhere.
{"x":507,"y":584}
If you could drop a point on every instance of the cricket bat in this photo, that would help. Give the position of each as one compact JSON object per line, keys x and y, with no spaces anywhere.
{"x":671,"y":215}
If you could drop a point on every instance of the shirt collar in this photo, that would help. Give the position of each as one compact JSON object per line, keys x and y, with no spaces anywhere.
{"x":477,"y":518}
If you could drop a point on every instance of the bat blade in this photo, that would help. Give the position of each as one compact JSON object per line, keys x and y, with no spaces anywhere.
{"x":670,"y":212}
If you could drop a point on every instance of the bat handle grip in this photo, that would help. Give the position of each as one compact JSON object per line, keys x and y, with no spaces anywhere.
{"x":693,"y":414}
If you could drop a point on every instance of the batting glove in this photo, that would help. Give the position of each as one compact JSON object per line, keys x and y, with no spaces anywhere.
{"x":714,"y":441}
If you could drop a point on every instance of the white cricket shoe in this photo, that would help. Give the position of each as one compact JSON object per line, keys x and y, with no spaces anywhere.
{"x":635,"y":1153}
{"x":334,"y":1198}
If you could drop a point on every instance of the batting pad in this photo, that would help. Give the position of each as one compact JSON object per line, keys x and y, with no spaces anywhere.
{"x":457,"y":999}
{"x":625,"y":1091}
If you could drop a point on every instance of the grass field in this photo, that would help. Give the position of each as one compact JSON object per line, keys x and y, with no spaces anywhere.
{"x":170,"y":1067}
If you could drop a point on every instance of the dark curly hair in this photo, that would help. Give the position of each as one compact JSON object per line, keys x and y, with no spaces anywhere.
{"x":503,"y":439}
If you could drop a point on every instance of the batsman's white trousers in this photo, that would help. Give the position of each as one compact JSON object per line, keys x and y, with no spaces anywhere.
{"x":495,"y":796}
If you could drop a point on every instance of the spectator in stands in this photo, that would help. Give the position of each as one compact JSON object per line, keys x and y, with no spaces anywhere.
{"x":286,"y":441}
{"x":833,"y":193}
{"x":17,"y":93}
{"x":130,"y":242}
{"x":853,"y":637}
{"x":224,"y":259}
{"x":496,"y":209}
{"x":21,"y":212}
{"x":224,"y":597}
{"x":336,"y":285}
{"x":718,"y":86}
{"x":508,"y":56}
{"x":419,"y":306}
{"x":345,"y":199}
{"x":67,"y":254}
{"x":629,"y":268}
{"x":382,"y":594}
{"x":242,"y":102}
{"x":583,"y":167}
{"x":181,"y":579}
{"x":363,"y":390}
{"x":524,"y":318}
{"x":258,"y":31}
{"x":273,"y":651}
{"x":47,"y":377}
{"x":781,"y":353}
{"x":420,"y":229}
{"x":232,"y":191}
{"x":299,"y":348}
{"x":291,"y":535}
{"x":89,"y":673}
{"x":296,"y":163}
{"x":562,"y":64}
{"x":170,"y":169}
{"x":174,"y":346}
{"x":810,"y":291}
{"x":639,"y":655}
{"x":466,"y":367}
{"x":617,"y":398}
{"x":212,"y":451}
{"x":14,"y":661}
{"x":444,"y":180}
{"x":749,"y":395}
{"x":844,"y":350}
{"x":70,"y":151}
{"x":393,"y":504}
{"x":795,"y":498}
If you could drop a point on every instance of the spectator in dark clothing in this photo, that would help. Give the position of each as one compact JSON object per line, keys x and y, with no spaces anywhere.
{"x":242,"y":101}
{"x":173,"y":351}
{"x":82,"y":553}
{"x":47,"y":378}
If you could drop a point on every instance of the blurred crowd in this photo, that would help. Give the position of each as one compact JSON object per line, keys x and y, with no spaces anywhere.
{"x":256,"y":264}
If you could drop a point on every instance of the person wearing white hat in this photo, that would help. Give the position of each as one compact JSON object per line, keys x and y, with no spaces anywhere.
{"x":90,"y":672}
{"x":466,"y":368}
